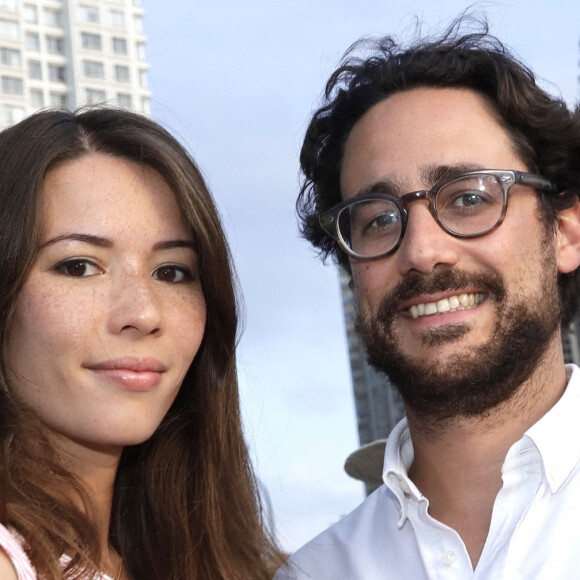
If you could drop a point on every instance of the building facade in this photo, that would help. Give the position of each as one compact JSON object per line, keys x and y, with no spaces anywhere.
{"x":69,"y":53}
{"x":377,"y":403}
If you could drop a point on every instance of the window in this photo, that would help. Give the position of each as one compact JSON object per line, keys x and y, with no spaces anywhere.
{"x":145,"y":106}
{"x":143,"y":78}
{"x":13,"y":114}
{"x":36,"y":98}
{"x":58,"y":100}
{"x":8,"y":4}
{"x":119,"y":46}
{"x":124,"y":100}
{"x":56,"y":73}
{"x":141,"y":50}
{"x":55,"y":44}
{"x":117,"y":19}
{"x":91,"y":41}
{"x":88,"y":14}
{"x":8,"y":28}
{"x":138,"y":23}
{"x":122,"y":73}
{"x":10,"y":57}
{"x":95,"y":96}
{"x":29,"y":14}
{"x":95,"y":70}
{"x":32,"y":41}
{"x":12,"y":85}
{"x":34,"y":69}
{"x":52,"y":17}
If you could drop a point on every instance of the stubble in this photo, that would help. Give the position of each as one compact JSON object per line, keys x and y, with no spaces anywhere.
{"x":474,"y":381}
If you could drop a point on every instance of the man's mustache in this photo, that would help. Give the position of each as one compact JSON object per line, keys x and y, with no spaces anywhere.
{"x":416,"y":284}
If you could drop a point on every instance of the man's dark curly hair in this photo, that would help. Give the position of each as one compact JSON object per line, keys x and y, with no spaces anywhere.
{"x":545,"y":133}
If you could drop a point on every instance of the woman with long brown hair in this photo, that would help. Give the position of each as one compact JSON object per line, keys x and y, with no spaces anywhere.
{"x":121,"y":449}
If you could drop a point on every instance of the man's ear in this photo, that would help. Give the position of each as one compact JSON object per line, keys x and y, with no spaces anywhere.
{"x":568,"y":238}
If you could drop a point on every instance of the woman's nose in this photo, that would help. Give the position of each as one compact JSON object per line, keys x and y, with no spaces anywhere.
{"x":134,"y":308}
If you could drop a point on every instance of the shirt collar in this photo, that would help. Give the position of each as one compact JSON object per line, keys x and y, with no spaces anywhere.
{"x":551,"y":436}
{"x":399,"y":455}
{"x":556,"y":434}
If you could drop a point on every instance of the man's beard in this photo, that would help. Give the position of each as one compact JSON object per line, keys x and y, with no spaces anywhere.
{"x":477,"y":379}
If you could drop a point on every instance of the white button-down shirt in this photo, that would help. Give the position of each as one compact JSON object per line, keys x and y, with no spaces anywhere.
{"x":535,"y":525}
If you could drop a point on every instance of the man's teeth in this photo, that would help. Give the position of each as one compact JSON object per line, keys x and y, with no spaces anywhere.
{"x":451,"y":304}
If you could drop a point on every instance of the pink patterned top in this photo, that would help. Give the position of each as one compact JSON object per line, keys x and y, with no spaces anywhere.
{"x":16,"y":554}
{"x":11,"y":544}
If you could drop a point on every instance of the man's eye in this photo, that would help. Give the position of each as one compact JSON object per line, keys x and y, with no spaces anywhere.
{"x":173,"y":274}
{"x":467,"y":199}
{"x":383,"y":220}
{"x":78,"y":268}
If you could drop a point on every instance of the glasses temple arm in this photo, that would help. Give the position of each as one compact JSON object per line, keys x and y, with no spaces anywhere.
{"x":537,"y":182}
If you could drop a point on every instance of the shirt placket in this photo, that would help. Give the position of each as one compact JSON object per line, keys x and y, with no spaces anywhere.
{"x":522,"y":476}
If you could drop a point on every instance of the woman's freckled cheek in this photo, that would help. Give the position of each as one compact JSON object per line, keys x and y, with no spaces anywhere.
{"x":184,"y":323}
{"x":49,"y":321}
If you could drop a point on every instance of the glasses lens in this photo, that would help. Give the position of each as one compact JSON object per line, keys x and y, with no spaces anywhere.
{"x":370,"y":228}
{"x":470,"y":205}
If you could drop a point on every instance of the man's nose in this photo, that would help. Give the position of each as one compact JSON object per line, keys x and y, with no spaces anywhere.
{"x":425,"y":244}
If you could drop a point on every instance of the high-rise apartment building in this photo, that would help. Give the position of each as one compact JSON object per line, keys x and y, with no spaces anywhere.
{"x":68,"y":53}
{"x":378,"y":405}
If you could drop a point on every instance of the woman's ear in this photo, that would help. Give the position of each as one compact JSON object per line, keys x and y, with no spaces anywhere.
{"x":568,"y":238}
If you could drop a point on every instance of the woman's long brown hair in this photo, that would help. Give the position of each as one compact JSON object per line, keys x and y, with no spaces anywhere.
{"x":185,"y":503}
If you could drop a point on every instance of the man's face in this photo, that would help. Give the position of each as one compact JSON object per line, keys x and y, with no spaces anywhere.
{"x":443,"y":363}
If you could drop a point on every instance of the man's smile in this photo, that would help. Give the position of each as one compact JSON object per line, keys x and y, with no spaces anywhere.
{"x":462,"y":301}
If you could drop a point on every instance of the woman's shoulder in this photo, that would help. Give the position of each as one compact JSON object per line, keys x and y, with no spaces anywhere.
{"x":7,"y":570}
{"x":14,"y":563}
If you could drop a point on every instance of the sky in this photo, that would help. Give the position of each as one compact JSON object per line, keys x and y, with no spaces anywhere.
{"x":236,"y":82}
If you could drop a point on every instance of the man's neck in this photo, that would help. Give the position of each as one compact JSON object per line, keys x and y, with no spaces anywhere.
{"x":457,"y":464}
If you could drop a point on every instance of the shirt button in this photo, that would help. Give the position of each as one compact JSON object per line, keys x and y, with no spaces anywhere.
{"x":448,"y":558}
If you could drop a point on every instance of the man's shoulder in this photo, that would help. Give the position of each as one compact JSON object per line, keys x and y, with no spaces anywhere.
{"x":359,"y":546}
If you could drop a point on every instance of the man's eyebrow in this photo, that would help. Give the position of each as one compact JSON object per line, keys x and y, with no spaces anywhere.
{"x":429,"y":176}
{"x":84,"y":238}
{"x":389,"y":185}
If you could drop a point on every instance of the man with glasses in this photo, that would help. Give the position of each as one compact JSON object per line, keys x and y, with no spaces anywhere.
{"x":447,"y":183}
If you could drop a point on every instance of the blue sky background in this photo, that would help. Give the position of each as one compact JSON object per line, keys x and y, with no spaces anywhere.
{"x":236,"y":81}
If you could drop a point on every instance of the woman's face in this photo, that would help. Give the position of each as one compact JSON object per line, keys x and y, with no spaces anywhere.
{"x":112,"y":312}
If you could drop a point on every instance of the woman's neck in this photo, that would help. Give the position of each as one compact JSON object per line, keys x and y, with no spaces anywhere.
{"x":96,"y":469}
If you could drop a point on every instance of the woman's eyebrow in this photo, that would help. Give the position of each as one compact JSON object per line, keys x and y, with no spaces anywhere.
{"x":106,"y":243}
{"x":84,"y":238}
{"x":170,"y":244}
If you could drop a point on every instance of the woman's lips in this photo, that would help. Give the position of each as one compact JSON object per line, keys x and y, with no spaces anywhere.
{"x":132,"y":374}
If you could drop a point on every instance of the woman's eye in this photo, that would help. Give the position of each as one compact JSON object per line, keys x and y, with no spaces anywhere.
{"x":78,"y":268}
{"x":173,"y":274}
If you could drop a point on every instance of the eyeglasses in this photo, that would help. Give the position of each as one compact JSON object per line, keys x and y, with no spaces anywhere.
{"x":465,"y":205}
